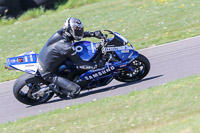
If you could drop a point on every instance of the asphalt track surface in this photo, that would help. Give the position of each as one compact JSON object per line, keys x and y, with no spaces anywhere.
{"x":168,"y":62}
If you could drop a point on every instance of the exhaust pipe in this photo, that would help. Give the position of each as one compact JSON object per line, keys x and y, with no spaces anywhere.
{"x":8,"y":67}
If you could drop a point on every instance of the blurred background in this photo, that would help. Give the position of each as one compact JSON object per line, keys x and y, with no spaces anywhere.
{"x":12,"y":8}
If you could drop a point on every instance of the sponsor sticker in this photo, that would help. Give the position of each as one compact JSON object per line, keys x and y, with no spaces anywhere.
{"x":31,"y":58}
{"x":123,"y":65}
{"x":124,"y":48}
{"x":31,"y":65}
{"x":20,"y":60}
{"x":79,"y":48}
{"x":12,"y":61}
{"x":26,"y":59}
{"x":100,"y":73}
{"x":125,"y":51}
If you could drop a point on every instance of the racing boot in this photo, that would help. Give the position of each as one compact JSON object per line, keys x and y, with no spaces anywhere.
{"x":69,"y":88}
{"x":75,"y":93}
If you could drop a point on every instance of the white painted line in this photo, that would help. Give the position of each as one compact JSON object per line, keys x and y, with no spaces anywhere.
{"x":162,"y":45}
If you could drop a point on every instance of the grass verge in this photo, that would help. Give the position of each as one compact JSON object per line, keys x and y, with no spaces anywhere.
{"x":172,"y":107}
{"x":36,"y":12}
{"x":145,"y":23}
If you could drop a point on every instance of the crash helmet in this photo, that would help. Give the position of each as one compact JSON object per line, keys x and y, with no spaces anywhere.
{"x":74,"y":27}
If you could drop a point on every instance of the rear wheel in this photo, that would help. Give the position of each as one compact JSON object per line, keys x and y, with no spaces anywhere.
{"x":32,"y":90}
{"x":140,"y":66}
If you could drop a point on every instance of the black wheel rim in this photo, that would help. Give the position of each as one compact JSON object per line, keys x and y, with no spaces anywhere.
{"x":139,"y":69}
{"x":27,"y":91}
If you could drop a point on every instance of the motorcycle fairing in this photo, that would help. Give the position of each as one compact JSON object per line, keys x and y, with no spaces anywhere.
{"x":85,"y":49}
{"x":123,"y":52}
{"x":104,"y":76}
{"x":26,"y":62}
{"x":109,"y":68}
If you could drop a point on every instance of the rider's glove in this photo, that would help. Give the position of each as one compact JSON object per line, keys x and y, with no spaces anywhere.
{"x":98,"y":34}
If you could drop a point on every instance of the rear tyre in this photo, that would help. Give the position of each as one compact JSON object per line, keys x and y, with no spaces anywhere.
{"x":141,"y":66}
{"x":26,"y":85}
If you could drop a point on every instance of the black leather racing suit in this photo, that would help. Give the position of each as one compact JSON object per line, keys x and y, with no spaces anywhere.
{"x":54,"y":53}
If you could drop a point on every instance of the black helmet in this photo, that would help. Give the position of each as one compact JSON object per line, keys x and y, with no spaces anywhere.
{"x":74,"y":27}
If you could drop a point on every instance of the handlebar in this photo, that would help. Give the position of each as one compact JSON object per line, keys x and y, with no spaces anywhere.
{"x":105,"y":36}
{"x":104,"y":39}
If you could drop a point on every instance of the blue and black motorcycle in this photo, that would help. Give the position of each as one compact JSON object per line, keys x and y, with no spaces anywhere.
{"x":123,"y":63}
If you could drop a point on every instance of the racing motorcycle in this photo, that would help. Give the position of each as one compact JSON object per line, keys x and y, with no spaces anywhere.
{"x":123,"y":63}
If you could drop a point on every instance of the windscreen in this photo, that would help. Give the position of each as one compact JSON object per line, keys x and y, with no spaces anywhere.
{"x":116,"y":41}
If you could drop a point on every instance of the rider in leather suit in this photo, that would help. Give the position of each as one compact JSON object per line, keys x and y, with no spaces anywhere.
{"x":59,"y":48}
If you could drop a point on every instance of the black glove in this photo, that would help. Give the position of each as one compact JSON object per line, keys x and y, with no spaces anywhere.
{"x":98,"y":34}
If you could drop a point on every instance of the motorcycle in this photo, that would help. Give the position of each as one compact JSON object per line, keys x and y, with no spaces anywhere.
{"x":123,"y":63}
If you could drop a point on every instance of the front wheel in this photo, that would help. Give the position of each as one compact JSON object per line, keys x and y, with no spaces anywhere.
{"x":32,"y":90}
{"x":140,"y":66}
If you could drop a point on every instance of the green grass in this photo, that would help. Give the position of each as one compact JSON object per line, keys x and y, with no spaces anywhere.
{"x":145,"y":23}
{"x":60,"y":5}
{"x":169,"y":108}
{"x":75,"y":3}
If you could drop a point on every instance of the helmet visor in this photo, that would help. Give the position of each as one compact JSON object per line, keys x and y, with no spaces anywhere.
{"x":77,"y":34}
{"x":77,"y":30}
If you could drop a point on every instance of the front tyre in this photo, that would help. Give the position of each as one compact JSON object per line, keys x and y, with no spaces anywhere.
{"x":141,"y":67}
{"x":32,"y":90}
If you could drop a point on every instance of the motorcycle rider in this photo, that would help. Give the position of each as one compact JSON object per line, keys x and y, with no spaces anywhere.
{"x":59,"y":48}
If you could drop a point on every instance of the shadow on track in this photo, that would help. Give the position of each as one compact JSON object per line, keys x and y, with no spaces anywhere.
{"x":103,"y":89}
{"x":115,"y":87}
